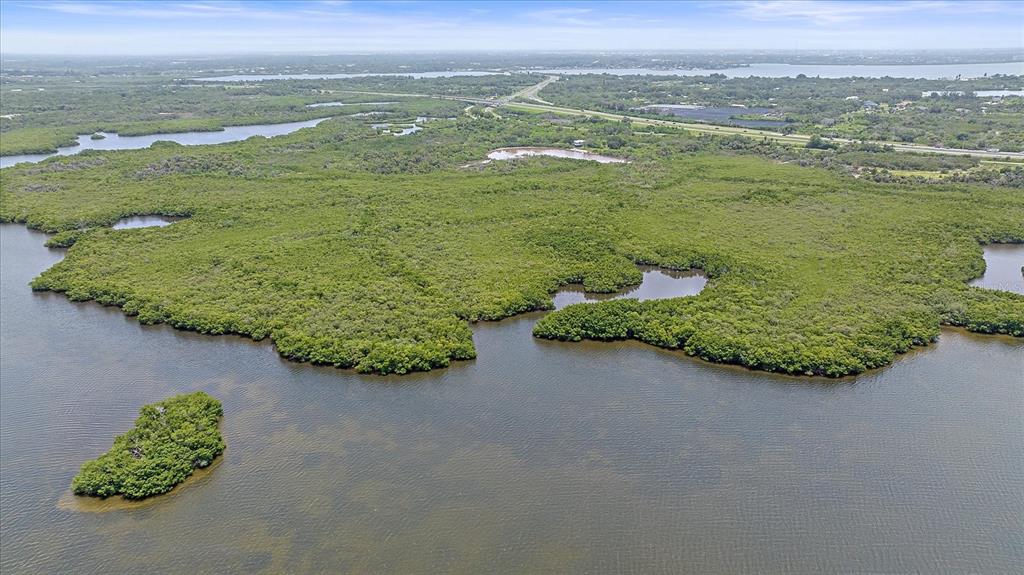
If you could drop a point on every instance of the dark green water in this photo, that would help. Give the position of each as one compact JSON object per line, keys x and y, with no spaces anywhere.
{"x":537,"y":457}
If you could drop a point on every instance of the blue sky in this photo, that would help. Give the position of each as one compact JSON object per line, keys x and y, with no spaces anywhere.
{"x":236,"y":27}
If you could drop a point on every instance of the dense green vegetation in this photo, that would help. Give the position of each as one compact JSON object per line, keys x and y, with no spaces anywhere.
{"x":881,"y":109}
{"x":358,"y":249}
{"x":42,"y":114}
{"x":882,"y":164}
{"x":171,"y":439}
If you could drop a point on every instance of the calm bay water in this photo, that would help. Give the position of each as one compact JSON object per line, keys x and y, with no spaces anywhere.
{"x":539,"y":456}
{"x":116,"y":142}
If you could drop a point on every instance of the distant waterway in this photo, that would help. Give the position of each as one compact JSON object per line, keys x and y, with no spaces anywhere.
{"x":997,"y":93}
{"x":1003,"y":263}
{"x":537,"y":457}
{"x":112,"y":141}
{"x":769,"y":70}
{"x":415,"y":75}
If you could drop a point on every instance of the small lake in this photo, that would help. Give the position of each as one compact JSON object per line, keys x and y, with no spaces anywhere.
{"x":134,"y":222}
{"x":768,"y":70}
{"x":415,"y":75}
{"x":1003,"y":263}
{"x":525,"y":152}
{"x":657,"y":283}
{"x":115,"y":142}
{"x":720,"y":115}
{"x":537,"y":457}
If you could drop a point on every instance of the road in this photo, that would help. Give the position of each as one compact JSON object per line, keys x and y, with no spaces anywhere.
{"x":799,"y":139}
{"x":531,"y":92}
{"x":539,"y":105}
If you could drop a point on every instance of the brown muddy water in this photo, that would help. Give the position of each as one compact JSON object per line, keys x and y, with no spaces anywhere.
{"x":537,"y":457}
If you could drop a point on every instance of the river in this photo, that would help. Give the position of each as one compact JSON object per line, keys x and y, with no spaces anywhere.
{"x":414,"y":75}
{"x":116,"y":142}
{"x":539,"y":456}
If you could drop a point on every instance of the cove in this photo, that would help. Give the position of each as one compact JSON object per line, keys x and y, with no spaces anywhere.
{"x":113,"y":141}
{"x":657,"y":283}
{"x":1003,"y":263}
{"x":538,"y":456}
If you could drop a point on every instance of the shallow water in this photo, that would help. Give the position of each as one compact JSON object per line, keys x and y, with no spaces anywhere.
{"x":116,"y":142}
{"x":769,"y":70}
{"x":539,"y":456}
{"x":657,"y":283}
{"x":515,"y":153}
{"x":1003,"y":263}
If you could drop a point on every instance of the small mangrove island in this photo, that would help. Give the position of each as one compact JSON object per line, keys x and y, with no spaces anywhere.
{"x":170,"y":440}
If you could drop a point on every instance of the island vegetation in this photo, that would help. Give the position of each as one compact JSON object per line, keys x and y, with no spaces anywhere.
{"x":171,"y":439}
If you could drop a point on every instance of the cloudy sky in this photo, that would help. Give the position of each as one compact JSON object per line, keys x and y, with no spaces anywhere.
{"x":236,"y":27}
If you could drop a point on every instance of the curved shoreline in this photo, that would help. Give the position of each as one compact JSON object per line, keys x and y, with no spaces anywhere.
{"x":111,"y":140}
{"x":451,"y":360}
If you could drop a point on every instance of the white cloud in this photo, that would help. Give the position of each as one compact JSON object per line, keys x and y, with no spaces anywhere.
{"x":178,"y":10}
{"x":98,"y":27}
{"x":832,"y":12}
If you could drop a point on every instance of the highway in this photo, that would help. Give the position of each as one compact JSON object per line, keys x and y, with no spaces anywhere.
{"x":539,"y":105}
{"x":797,"y":139}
